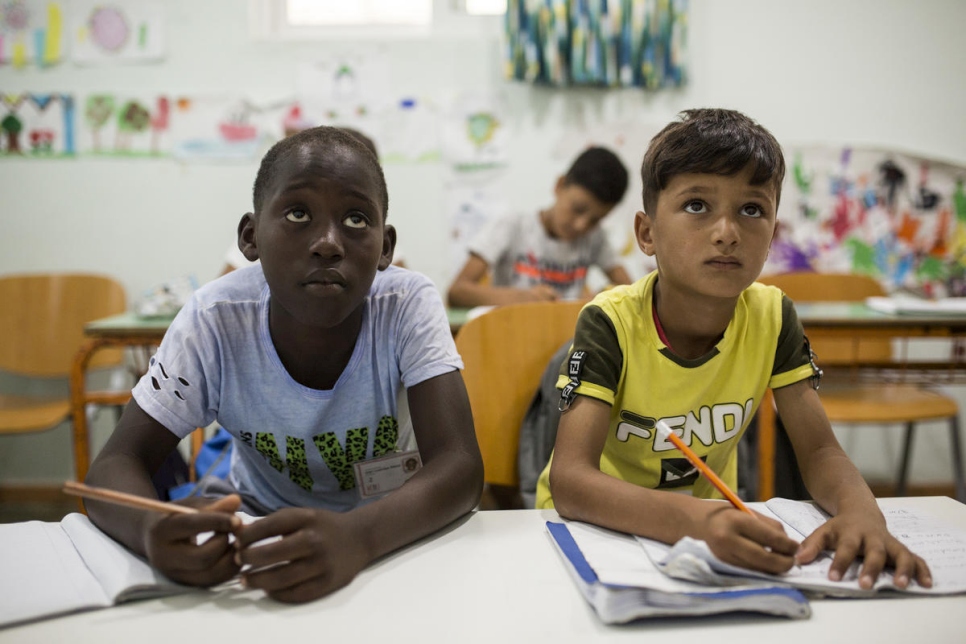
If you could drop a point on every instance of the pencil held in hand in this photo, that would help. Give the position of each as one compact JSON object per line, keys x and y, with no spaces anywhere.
{"x":123,"y":498}
{"x":664,"y":433}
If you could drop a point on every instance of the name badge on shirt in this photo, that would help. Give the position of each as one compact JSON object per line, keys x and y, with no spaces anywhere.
{"x":384,"y":474}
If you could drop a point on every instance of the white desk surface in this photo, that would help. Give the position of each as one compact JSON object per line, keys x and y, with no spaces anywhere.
{"x":494,"y":577}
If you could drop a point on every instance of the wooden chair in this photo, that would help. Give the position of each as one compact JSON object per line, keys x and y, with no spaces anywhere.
{"x":42,"y":320}
{"x":851,"y":402}
{"x":505,"y":351}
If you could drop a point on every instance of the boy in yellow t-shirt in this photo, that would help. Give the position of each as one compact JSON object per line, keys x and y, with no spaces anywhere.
{"x":696,"y":343}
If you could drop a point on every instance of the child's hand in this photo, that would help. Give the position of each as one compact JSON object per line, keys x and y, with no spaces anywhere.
{"x":754,"y":542}
{"x":318,"y":552}
{"x":853,"y":534}
{"x":172,"y":548}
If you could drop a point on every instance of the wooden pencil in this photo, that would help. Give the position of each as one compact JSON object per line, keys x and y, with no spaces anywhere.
{"x":663,"y":431}
{"x":123,"y":498}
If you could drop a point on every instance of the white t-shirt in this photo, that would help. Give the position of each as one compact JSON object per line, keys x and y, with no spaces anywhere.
{"x":521,"y":254}
{"x":292,"y":445}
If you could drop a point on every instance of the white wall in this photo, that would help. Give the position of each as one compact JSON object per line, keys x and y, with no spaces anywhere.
{"x":862,"y":72}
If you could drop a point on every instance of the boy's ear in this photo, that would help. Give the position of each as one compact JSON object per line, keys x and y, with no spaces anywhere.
{"x":246,"y":237}
{"x":388,"y":246}
{"x":644,"y":233}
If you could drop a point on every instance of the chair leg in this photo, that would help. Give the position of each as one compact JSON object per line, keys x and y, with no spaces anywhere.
{"x":957,"y":459}
{"x":906,"y":457}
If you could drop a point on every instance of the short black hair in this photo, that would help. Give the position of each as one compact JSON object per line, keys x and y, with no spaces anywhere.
{"x":711,"y":141}
{"x":323,"y":137}
{"x":601,"y":172}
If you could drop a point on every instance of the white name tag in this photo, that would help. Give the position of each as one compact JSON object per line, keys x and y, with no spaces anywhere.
{"x":386,"y":473}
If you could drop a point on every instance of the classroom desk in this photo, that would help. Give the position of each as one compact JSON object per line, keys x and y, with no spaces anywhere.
{"x":491,"y":577}
{"x":124,"y":330}
{"x":855,"y":320}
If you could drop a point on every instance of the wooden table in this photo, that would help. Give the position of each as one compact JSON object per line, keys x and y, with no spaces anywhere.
{"x":494,"y":577}
{"x":124,"y":330}
{"x":856,"y":321}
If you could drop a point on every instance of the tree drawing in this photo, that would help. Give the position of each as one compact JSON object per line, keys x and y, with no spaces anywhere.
{"x":97,"y":112}
{"x":11,"y":125}
{"x":133,"y":118}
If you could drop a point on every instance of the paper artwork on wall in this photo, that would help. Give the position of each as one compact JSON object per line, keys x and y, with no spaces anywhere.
{"x":123,"y":125}
{"x":132,"y":31}
{"x":347,"y":91}
{"x":31,"y":32}
{"x":898,"y":217}
{"x":36,"y":125}
{"x":469,"y":206}
{"x":409,"y":132}
{"x":474,"y":133}
{"x":225,"y":128}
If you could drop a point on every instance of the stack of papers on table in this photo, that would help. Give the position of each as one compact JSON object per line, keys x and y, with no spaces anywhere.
{"x":626,"y":578}
{"x":622,"y":584}
{"x":900,"y":305}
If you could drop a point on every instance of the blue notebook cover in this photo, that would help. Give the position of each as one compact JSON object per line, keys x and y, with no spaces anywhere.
{"x":616,"y":604}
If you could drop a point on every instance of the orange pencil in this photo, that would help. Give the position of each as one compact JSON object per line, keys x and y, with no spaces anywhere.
{"x":664,"y":432}
{"x":123,"y":498}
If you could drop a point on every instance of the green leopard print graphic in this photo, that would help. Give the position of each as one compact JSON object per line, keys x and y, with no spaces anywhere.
{"x":298,"y":464}
{"x":387,"y":435}
{"x":265,"y":444}
{"x":338,"y":459}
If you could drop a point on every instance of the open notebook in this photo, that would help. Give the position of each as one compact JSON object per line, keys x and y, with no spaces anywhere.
{"x":49,"y":569}
{"x":942,"y":547}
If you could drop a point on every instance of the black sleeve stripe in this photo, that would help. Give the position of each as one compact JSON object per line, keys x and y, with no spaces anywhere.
{"x":597,"y":336}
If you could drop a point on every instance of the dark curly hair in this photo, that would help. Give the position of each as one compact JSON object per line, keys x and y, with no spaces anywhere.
{"x":711,"y":141}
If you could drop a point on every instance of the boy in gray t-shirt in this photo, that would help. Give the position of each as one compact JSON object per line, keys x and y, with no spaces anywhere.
{"x":546,"y":255}
{"x":303,"y":360}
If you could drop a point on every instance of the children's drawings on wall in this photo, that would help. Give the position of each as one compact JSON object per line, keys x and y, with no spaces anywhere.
{"x":225,"y":128}
{"x":474,"y":134}
{"x":344,"y":90}
{"x":898,"y":217}
{"x":101,"y":32}
{"x":409,"y":132}
{"x":470,"y":205}
{"x":31,"y":32}
{"x":36,"y":125}
{"x":119,"y":125}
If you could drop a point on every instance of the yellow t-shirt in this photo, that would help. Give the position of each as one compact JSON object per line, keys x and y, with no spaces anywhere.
{"x":709,"y":400}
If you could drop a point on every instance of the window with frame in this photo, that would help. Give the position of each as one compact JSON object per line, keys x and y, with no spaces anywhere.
{"x":316,"y":19}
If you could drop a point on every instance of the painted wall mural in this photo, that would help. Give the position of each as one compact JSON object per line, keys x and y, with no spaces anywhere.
{"x":898,"y":217}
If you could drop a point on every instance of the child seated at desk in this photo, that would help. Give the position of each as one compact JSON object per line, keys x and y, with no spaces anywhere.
{"x":303,"y":359}
{"x":545,"y":255}
{"x":695,"y":344}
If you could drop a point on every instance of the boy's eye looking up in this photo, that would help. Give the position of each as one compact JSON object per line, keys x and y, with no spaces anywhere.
{"x":356,"y":220}
{"x":694,"y":206}
{"x":752,"y":210}
{"x":297,"y":216}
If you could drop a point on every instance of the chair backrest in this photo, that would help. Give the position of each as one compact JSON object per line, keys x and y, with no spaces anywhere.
{"x":42,"y":320}
{"x":834,"y":287}
{"x":505,"y":352}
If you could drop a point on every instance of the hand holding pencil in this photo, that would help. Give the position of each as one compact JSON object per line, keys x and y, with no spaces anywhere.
{"x":761,"y":544}
{"x":189,"y":545}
